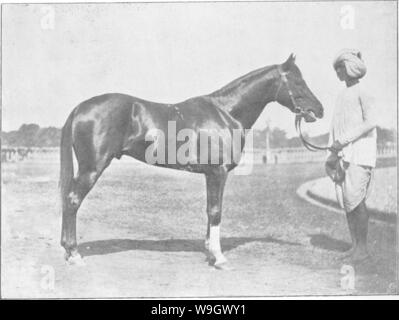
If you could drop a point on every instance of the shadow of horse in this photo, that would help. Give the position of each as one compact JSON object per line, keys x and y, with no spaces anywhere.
{"x":102,"y":247}
{"x":325,"y":242}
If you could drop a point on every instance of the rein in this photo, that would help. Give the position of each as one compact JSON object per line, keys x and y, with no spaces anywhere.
{"x":307,"y":144}
{"x":299,"y":113}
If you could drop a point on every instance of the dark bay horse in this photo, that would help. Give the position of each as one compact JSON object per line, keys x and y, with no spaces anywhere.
{"x":112,"y":125}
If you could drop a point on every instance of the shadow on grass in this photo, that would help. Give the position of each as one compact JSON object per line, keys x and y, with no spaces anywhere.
{"x":101,"y":247}
{"x":324,"y":241}
{"x":374,"y":213}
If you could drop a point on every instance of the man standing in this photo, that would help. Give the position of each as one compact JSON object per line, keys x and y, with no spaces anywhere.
{"x":354,"y":148}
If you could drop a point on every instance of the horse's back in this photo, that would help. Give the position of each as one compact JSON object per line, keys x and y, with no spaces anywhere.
{"x":105,"y":103}
{"x":117,"y":124}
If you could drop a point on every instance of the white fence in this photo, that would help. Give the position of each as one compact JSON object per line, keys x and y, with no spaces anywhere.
{"x":258,"y":156}
{"x":298,"y":155}
{"x":16,"y":154}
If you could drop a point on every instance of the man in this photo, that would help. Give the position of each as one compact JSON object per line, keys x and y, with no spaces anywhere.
{"x":354,"y":148}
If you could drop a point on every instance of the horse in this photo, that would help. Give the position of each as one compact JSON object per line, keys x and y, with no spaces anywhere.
{"x":114,"y":125}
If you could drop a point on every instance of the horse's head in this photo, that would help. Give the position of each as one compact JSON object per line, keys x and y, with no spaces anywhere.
{"x":293,"y":92}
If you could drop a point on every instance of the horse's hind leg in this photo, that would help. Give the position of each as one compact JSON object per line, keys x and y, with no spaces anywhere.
{"x":81,"y":185}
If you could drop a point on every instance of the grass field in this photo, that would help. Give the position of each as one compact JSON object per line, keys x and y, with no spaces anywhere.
{"x":141,"y":230}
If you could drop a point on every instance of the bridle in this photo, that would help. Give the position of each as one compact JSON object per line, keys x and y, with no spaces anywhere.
{"x":298,"y":111}
{"x":283,"y":80}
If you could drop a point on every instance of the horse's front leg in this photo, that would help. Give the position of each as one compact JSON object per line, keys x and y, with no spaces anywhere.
{"x":215,"y":182}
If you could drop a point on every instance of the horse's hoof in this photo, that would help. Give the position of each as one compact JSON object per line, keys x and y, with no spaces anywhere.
{"x":210,"y":259}
{"x":223,"y":266}
{"x":75,"y":260}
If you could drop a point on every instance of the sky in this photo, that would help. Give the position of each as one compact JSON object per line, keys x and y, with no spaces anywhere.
{"x":56,"y":56}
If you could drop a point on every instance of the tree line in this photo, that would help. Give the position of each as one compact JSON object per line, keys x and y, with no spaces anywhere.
{"x":32,"y":135}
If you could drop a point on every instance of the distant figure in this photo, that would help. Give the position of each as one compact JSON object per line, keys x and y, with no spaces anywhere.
{"x":4,"y":155}
{"x":23,"y":153}
{"x":275,"y":159}
{"x":264,"y":159}
{"x":354,"y":143}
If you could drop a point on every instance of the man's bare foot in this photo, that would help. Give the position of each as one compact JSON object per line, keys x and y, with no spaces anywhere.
{"x":360,"y":255}
{"x":346,"y":254}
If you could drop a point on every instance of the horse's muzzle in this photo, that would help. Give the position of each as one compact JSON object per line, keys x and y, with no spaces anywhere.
{"x":309,"y":116}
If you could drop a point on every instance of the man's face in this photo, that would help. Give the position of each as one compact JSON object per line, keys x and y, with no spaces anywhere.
{"x":341,"y":72}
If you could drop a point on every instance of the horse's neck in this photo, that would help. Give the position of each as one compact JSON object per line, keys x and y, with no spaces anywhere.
{"x":246,"y":97}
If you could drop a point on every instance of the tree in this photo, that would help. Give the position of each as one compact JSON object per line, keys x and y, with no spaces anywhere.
{"x":278,"y":138}
{"x":27,"y":134}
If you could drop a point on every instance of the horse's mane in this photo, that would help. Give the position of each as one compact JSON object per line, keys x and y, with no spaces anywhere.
{"x":232,"y":86}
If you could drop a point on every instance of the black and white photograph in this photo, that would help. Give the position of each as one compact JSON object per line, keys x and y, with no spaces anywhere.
{"x":199,"y":150}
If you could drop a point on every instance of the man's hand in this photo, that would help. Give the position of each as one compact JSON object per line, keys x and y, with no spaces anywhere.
{"x":336,"y":147}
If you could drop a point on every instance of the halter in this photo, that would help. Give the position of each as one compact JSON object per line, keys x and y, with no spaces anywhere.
{"x":298,"y":111}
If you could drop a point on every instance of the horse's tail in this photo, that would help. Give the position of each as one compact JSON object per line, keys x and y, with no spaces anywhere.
{"x":66,"y":160}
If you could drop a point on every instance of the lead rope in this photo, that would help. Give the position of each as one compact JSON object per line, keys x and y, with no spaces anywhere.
{"x":307,"y":144}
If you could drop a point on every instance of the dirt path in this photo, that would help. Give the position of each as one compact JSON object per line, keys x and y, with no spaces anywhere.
{"x":141,"y":232}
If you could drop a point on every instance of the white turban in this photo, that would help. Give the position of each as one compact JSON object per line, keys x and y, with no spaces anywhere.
{"x":352,"y":60}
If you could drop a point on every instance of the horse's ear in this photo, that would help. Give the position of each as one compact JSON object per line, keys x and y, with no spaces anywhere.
{"x":286,"y":66}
